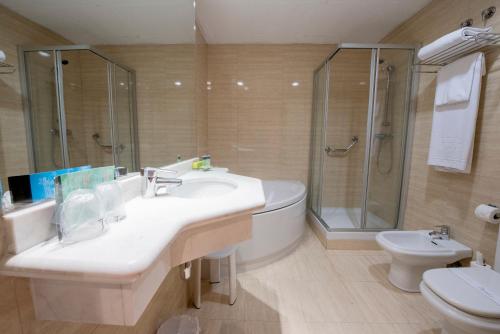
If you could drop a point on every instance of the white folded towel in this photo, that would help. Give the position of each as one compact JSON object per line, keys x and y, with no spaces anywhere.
{"x":447,"y":41}
{"x":454,"y":82}
{"x":454,"y":124}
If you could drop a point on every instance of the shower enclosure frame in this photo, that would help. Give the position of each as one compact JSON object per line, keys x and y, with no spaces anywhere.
{"x":59,"y":82}
{"x":409,"y":117}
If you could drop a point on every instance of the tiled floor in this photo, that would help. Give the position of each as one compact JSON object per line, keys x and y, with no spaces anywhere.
{"x":315,"y":291}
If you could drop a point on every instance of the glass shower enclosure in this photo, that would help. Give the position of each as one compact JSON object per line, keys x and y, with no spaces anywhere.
{"x":361,"y":104}
{"x":80,"y":108}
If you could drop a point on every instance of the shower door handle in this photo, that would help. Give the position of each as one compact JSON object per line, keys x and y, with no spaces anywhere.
{"x":341,"y":151}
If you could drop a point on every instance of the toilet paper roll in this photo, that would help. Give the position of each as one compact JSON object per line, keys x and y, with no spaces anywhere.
{"x":488,"y":213}
{"x":2,"y":56}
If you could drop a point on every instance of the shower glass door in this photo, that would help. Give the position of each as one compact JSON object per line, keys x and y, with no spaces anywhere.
{"x":80,"y":108}
{"x":46,"y":148}
{"x":123,"y":119}
{"x":361,"y":107}
{"x":388,"y":139}
{"x":345,"y":138}
{"x":86,"y":108}
{"x":317,"y":134}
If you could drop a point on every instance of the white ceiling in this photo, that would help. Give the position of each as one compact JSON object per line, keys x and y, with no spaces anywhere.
{"x":223,"y":21}
{"x":112,"y":21}
{"x":302,"y":21}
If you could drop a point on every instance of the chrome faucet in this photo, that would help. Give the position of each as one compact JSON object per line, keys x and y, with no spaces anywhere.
{"x":441,"y":232}
{"x":153,"y":180}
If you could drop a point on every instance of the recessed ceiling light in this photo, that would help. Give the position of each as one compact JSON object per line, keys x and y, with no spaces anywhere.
{"x":209,"y":83}
{"x":240,"y":83}
{"x":44,"y":54}
{"x":178,"y":83}
{"x":122,"y":83}
{"x":295,"y":83}
{"x":209,"y":87}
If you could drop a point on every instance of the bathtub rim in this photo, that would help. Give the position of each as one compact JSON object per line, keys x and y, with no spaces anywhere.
{"x":282,"y":203}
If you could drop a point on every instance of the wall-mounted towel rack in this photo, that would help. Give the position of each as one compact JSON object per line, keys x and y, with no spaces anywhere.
{"x":468,"y":46}
{"x":6,"y":68}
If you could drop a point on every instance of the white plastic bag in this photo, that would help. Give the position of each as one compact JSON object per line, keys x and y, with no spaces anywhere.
{"x":111,"y":198}
{"x":80,"y":217}
{"x":182,"y":324}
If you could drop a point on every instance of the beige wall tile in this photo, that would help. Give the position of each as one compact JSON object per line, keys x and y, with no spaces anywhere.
{"x":172,"y":119}
{"x":262,"y":127}
{"x":446,"y":198}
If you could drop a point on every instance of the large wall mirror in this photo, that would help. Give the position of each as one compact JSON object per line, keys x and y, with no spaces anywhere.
{"x":131,"y":95}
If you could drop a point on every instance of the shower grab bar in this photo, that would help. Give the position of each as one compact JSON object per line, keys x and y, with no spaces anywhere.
{"x":96,"y":136}
{"x":341,"y":151}
{"x":97,"y":140}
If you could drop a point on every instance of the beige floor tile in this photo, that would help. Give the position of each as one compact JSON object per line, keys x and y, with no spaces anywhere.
{"x":314,"y":266}
{"x":329,"y":302}
{"x":222,"y":326}
{"x":262,"y":273}
{"x":325,"y":328}
{"x":428,"y":328}
{"x":355,"y":328}
{"x":285,"y":269}
{"x":314,"y":290}
{"x":290,"y":300}
{"x":354,"y":267}
{"x":262,"y":327}
{"x":294,"y":327}
{"x":376,"y":304}
{"x":261,"y":301}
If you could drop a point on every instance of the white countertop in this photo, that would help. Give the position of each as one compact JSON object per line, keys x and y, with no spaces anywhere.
{"x":131,"y":246}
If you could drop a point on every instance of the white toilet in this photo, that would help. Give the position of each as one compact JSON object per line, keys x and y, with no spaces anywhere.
{"x":468,"y":299}
{"x":414,"y":252}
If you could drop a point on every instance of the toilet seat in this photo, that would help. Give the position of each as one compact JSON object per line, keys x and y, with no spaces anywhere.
{"x":461,"y":305}
{"x":474,"y":290}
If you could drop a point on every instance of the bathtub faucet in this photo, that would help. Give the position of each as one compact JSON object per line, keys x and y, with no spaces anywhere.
{"x":441,"y":232}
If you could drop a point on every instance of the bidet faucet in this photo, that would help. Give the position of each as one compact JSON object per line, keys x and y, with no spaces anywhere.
{"x":153,"y":180}
{"x":443,"y":233}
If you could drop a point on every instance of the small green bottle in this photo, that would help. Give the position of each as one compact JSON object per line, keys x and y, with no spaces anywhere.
{"x":206,"y":165}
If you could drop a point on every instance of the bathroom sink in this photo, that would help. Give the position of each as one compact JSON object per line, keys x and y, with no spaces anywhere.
{"x":202,"y":188}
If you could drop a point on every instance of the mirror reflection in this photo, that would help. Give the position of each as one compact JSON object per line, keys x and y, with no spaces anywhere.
{"x":116,"y":97}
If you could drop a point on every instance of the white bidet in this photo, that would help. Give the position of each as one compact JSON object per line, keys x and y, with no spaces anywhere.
{"x":414,"y":252}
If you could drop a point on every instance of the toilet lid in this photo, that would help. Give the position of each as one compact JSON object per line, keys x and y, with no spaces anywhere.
{"x":474,"y":290}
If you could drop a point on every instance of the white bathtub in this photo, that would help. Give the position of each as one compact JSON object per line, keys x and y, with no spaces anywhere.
{"x":278,"y":227}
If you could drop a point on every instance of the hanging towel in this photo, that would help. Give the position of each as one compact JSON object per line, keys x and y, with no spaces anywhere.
{"x":449,"y":41}
{"x":454,"y":123}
